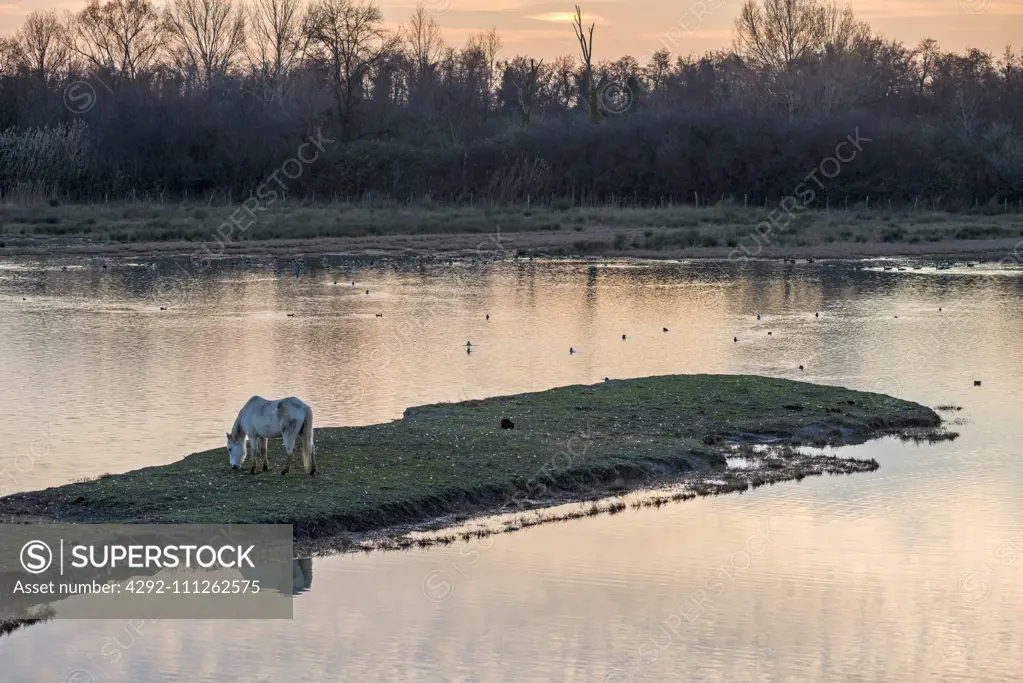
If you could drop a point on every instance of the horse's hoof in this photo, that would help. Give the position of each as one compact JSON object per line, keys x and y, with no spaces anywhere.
{"x":266,"y":467}
{"x":284,"y":472}
{"x":312,"y":472}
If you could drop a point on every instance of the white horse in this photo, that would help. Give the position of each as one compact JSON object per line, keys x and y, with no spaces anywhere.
{"x":260,"y":419}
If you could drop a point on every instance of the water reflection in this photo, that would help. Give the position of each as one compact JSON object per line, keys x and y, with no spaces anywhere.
{"x":303,"y":573}
{"x":907,"y":574}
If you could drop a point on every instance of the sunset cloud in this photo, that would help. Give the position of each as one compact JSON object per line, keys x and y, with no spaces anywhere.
{"x":568,"y":18}
{"x":541,"y":28}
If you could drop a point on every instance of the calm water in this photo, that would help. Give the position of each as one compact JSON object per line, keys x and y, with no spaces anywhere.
{"x":911,"y":573}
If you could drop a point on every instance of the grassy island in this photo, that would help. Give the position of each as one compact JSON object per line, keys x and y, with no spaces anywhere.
{"x":570,"y":443}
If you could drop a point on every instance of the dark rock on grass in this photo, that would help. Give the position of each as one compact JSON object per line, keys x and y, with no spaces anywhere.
{"x":449,"y":459}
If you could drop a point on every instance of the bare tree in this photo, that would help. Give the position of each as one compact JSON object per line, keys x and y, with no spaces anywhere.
{"x":524,"y":77}
{"x":658,"y":69}
{"x":422,"y":48}
{"x":347,"y":38}
{"x":563,"y":89}
{"x":839,"y":76}
{"x":924,"y":57}
{"x":787,"y":41}
{"x":585,"y":39}
{"x":963,"y":82}
{"x":207,"y":38}
{"x":277,"y":42}
{"x":488,"y":45}
{"x":11,"y":58}
{"x":840,"y":30}
{"x":42,"y":43}
{"x":775,"y":36}
{"x":423,"y":40}
{"x":120,"y":38}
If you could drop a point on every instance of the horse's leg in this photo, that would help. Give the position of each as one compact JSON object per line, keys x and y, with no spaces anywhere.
{"x":265,"y":445}
{"x":289,"y":444}
{"x":254,"y":451}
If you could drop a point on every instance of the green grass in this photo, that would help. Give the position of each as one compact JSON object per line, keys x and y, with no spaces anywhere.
{"x":576,"y":441}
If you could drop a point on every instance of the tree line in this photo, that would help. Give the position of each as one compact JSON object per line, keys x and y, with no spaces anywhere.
{"x":205,"y":98}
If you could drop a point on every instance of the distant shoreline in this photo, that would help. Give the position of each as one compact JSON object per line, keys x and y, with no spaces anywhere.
{"x":717,"y":232}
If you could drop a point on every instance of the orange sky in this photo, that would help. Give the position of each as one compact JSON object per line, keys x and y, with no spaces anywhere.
{"x":541,"y":28}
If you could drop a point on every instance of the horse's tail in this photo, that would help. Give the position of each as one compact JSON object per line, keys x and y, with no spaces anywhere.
{"x":308,"y":447}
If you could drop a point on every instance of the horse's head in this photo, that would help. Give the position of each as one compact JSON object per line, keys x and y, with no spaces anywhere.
{"x":235,"y":452}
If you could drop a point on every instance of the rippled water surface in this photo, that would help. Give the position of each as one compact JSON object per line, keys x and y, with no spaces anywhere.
{"x":910,"y":573}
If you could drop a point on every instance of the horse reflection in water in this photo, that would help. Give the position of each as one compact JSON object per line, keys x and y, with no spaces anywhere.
{"x":303,"y":574}
{"x":270,"y":577}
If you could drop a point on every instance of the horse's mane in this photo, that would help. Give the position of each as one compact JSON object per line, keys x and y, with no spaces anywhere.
{"x":236,"y":431}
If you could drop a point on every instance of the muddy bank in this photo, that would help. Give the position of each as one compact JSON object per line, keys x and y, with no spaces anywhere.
{"x":718,"y":231}
{"x":599,"y":242}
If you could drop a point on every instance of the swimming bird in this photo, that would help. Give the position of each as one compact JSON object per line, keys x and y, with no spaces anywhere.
{"x":367,"y":291}
{"x":64,"y":269}
{"x":571,"y":350}
{"x":976,"y":382}
{"x":468,"y":343}
{"x":800,"y":367}
{"x":816,"y":315}
{"x":468,"y":350}
{"x":735,"y":340}
{"x":488,"y":316}
{"x":291,"y":315}
{"x":163,"y":308}
{"x":758,"y":316}
{"x":939,"y":309}
{"x":768,"y":333}
{"x":353,"y":283}
{"x":380,"y":315}
{"x":623,"y":337}
{"x":665,"y":329}
{"x":335,"y":282}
